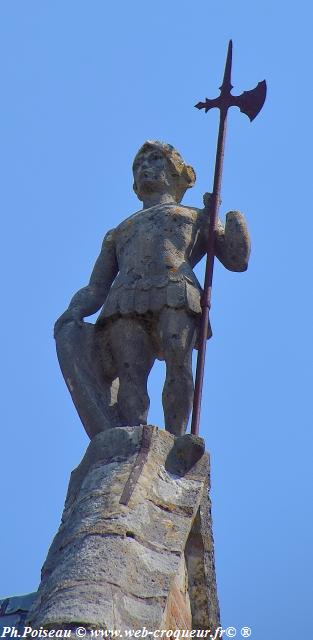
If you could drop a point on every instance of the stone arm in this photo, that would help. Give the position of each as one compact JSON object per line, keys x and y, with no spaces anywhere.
{"x":89,"y":299}
{"x":232,"y":242}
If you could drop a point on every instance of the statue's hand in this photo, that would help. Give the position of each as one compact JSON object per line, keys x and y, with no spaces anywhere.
{"x":70,"y":315}
{"x":208,"y":201}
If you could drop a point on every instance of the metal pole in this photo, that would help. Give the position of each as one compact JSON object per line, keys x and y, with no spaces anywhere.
{"x":250,"y":103}
{"x":207,"y":292}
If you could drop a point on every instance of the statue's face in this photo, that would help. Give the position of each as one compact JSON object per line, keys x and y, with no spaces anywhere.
{"x":153,"y":173}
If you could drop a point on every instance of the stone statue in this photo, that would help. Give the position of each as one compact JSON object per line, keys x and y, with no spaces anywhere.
{"x":150,"y":297}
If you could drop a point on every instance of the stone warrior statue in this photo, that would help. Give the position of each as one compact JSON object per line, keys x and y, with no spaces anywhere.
{"x":150,"y":297}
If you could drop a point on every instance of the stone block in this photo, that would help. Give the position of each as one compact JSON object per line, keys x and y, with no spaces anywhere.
{"x":135,"y":545}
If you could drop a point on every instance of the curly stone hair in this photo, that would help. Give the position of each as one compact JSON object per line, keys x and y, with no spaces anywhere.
{"x":186,"y":176}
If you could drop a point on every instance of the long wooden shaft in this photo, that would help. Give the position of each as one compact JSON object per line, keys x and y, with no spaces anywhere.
{"x":207,"y":291}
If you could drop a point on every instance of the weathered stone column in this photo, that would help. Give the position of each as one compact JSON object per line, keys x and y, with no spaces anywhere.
{"x":135,"y":547}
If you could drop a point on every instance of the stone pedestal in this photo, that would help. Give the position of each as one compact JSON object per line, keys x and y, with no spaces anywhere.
{"x":135,"y":547}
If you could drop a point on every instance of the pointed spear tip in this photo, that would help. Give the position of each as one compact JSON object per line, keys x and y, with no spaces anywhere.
{"x":227,"y":85}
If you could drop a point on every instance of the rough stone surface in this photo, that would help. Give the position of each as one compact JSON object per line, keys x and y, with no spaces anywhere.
{"x":145,"y":563}
{"x":150,"y":297}
{"x":13,"y":612}
{"x":178,"y":610}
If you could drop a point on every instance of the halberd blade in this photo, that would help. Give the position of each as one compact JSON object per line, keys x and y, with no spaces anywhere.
{"x":251,"y":102}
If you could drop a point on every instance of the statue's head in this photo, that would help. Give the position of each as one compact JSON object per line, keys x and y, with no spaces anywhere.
{"x":158,"y":167}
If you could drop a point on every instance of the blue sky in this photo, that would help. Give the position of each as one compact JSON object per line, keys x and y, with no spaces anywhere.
{"x":82,"y":86}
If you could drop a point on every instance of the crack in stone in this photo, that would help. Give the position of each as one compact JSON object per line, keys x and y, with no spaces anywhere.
{"x":159,"y":598}
{"x":183,"y":512}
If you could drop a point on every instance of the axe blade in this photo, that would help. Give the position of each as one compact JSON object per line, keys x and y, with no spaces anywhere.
{"x":251,"y":102}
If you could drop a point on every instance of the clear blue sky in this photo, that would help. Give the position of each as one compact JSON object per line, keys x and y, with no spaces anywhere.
{"x":83,"y":84}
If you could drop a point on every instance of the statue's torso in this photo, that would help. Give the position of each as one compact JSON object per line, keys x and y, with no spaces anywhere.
{"x":153,"y":248}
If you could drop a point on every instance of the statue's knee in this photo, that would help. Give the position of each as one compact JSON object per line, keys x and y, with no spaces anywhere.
{"x":132,"y":377}
{"x":176,"y":352}
{"x":178,"y":371}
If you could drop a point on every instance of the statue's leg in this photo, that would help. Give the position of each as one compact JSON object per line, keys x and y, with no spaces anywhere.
{"x":177,"y":331}
{"x":133,"y":355}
